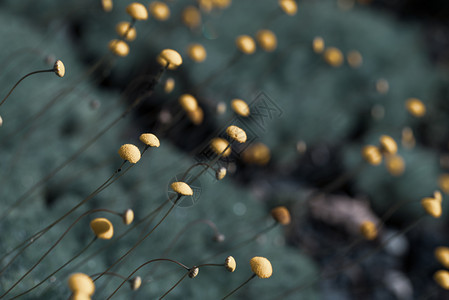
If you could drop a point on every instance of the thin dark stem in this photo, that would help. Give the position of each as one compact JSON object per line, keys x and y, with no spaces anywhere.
{"x":176,"y":284}
{"x":235,"y":290}
{"x":111,"y":274}
{"x":59,"y":269}
{"x":20,"y":80}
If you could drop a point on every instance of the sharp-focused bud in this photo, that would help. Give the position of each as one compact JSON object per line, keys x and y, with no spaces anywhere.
{"x":188,"y":102}
{"x":281,"y":215}
{"x":107,"y":5}
{"x":395,"y":164}
{"x":150,"y":139}
{"x":318,"y":44}
{"x":169,"y":58}
{"x":196,"y":116}
{"x":333,"y":57}
{"x":81,"y":283}
{"x":59,"y":68}
{"x":372,"y":155}
{"x":221,"y":173}
{"x":442,"y":278}
{"x":267,"y":40}
{"x":102,"y":228}
{"x":194,"y":272}
{"x":197,"y":52}
{"x":218,"y":145}
{"x":432,"y":207}
{"x":118,"y":47}
{"x":388,"y":145}
{"x":128,"y":216}
{"x":288,"y":6}
{"x":159,"y":10}
{"x":245,"y":44}
{"x":261,"y":267}
{"x":442,"y":255}
{"x":135,"y":283}
{"x":125,"y":31}
{"x":368,"y":230}
{"x":415,"y":107}
{"x":137,"y":11}
{"x":182,"y":188}
{"x":230,"y":264}
{"x":130,"y":153}
{"x":169,"y":85}
{"x":240,"y":107}
{"x":236,"y":133}
{"x":191,"y":17}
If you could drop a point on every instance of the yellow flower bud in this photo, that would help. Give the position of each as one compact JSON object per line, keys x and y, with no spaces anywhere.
{"x":288,"y":6}
{"x":372,"y":155}
{"x":257,"y":153}
{"x":230,"y":264}
{"x":318,"y":44}
{"x":102,"y":228}
{"x":221,"y":173}
{"x":81,"y":283}
{"x":218,"y":145}
{"x":169,"y":57}
{"x":1,"y":121}
{"x":437,"y":195}
{"x":236,"y":133}
{"x":245,"y":44}
{"x":388,"y":144}
{"x":196,"y":116}
{"x":267,"y":40}
{"x":137,"y":11}
{"x":135,"y":283}
{"x":130,"y":153}
{"x":80,"y":296}
{"x":119,"y":47}
{"x":188,"y":102}
{"x":182,"y":188}
{"x":281,"y":215}
{"x":443,"y":183}
{"x":107,"y":5}
{"x":59,"y":68}
{"x":194,"y":272}
{"x":169,"y":85}
{"x":196,"y":52}
{"x":261,"y":267}
{"x":149,"y":139}
{"x":415,"y":107}
{"x":159,"y":10}
{"x":191,"y":17}
{"x":222,"y":4}
{"x":240,"y":107}
{"x":124,"y":30}
{"x":442,"y":278}
{"x":442,"y":255}
{"x":395,"y":164}
{"x":354,"y":59}
{"x":333,"y":57}
{"x":128,"y":216}
{"x":432,"y":207}
{"x":368,"y":230}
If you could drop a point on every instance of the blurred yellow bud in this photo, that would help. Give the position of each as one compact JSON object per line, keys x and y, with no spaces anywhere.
{"x":137,"y":11}
{"x":318,"y":44}
{"x":218,"y":145}
{"x":372,"y":155}
{"x":240,"y":107}
{"x":267,"y":40}
{"x":196,"y":52}
{"x":368,"y":230}
{"x":81,"y":283}
{"x":442,"y":278}
{"x":333,"y":57}
{"x":124,"y":30}
{"x":245,"y":44}
{"x":415,"y":107}
{"x":191,"y":17}
{"x":119,"y":47}
{"x":159,"y":10}
{"x":169,"y":58}
{"x":288,"y":6}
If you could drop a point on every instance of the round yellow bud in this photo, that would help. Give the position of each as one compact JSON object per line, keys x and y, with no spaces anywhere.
{"x":169,"y":85}
{"x":288,"y":6}
{"x":80,"y":296}
{"x":59,"y":68}
{"x":102,"y":228}
{"x":169,"y":58}
{"x":137,"y":11}
{"x":130,"y":153}
{"x":388,"y":145}
{"x":261,"y":267}
{"x":230,"y":264}
{"x":188,"y":102}
{"x":81,"y":283}
{"x":220,"y":173}
{"x":149,"y":139}
{"x":135,"y":283}
{"x":236,"y":133}
{"x":245,"y":44}
{"x":442,"y":278}
{"x":191,"y":17}
{"x":128,"y":216}
{"x":333,"y":57}
{"x":119,"y":47}
{"x":415,"y":107}
{"x":395,"y":164}
{"x":194,"y":272}
{"x":218,"y":145}
{"x":354,"y":59}
{"x":196,"y":52}
{"x":372,"y":155}
{"x":258,"y":154}
{"x":182,"y":188}
{"x":196,"y":116}
{"x":318,"y":44}
{"x":432,"y":207}
{"x":443,"y":183}
{"x":442,"y":255}
{"x":240,"y":107}
{"x":124,"y":30}
{"x":281,"y":215}
{"x":107,"y":5}
{"x":159,"y":10}
{"x":267,"y":40}
{"x":368,"y":230}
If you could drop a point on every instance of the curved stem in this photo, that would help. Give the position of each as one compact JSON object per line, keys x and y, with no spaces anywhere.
{"x":235,"y":290}
{"x":176,"y":284}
